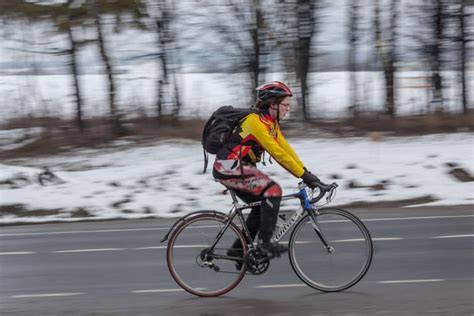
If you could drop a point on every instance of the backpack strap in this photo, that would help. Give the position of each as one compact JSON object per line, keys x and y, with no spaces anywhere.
{"x":206,"y":159}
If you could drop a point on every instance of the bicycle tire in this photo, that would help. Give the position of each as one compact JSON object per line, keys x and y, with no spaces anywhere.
{"x":185,"y":261}
{"x":313,"y":262}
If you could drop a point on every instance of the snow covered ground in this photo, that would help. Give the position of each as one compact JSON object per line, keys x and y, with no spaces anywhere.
{"x":165,"y":179}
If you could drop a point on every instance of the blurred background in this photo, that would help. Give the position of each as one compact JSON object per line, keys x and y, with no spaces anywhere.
{"x":102,"y":104}
{"x":131,"y":64}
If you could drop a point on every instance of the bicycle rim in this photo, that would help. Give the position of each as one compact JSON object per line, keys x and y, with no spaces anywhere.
{"x":336,"y":270}
{"x":186,"y":251}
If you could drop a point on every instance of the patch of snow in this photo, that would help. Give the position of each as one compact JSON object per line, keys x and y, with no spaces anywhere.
{"x":166,"y":179}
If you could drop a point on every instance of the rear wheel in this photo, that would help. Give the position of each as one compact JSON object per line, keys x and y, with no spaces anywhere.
{"x":342,"y":261}
{"x":194,"y":266}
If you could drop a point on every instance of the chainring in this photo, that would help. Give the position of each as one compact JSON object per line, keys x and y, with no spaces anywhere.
{"x":256,"y":262}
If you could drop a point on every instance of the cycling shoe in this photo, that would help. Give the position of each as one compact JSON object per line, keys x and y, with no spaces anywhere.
{"x":272,"y":249}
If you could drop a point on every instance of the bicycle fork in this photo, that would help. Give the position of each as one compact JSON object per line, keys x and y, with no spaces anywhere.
{"x":314,"y":223}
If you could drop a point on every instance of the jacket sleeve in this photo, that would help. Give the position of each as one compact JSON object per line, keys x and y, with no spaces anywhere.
{"x":260,"y":131}
{"x":287,"y":147}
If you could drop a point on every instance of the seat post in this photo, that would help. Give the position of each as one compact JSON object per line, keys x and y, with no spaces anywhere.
{"x":234,"y":197}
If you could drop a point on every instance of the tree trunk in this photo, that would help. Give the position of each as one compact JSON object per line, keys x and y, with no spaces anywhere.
{"x":386,"y":55}
{"x":254,"y":58}
{"x":162,"y":81}
{"x":436,"y":59}
{"x":351,"y":58}
{"x":305,"y":32}
{"x":462,"y":20}
{"x":389,"y":68}
{"x":159,"y":98}
{"x":177,"y":98}
{"x":389,"y":72}
{"x":168,"y":90}
{"x":75,"y":74}
{"x":110,"y":73}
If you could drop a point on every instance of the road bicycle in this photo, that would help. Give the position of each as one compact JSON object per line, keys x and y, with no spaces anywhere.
{"x":330,"y":249}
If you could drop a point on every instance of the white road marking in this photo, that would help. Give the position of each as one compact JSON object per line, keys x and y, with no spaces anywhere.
{"x":164,"y":247}
{"x":45,"y":295}
{"x":164,"y":290}
{"x":167,"y":228}
{"x":85,"y":231}
{"x":353,"y":240}
{"x":454,"y":236}
{"x":269,"y":286}
{"x":350,"y":240}
{"x":414,"y":218}
{"x":157,"y":291}
{"x":274,"y":286}
{"x":88,"y":250}
{"x":201,"y":246}
{"x":387,"y":238}
{"x":411,"y":281}
{"x":17,"y":253}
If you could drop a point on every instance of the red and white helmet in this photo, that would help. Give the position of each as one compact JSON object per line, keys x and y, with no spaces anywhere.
{"x":273,"y":89}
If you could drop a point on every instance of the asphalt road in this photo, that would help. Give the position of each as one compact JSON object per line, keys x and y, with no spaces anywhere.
{"x":423,"y":264}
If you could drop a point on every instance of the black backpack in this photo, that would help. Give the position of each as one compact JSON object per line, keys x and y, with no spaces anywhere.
{"x":219,"y":127}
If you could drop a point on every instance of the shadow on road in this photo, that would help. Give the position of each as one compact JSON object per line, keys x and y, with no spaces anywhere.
{"x":282,"y":304}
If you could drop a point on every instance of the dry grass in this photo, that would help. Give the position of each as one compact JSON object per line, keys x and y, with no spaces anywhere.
{"x":63,"y":135}
{"x":377,"y":125}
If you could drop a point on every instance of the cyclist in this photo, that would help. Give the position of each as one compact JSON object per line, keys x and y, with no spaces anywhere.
{"x":235,"y":165}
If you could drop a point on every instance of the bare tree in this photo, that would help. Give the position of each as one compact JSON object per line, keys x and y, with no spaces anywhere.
{"x":385,"y":48}
{"x":455,"y":39}
{"x":354,"y":101}
{"x":73,"y":15}
{"x":163,"y":16}
{"x":306,"y":30}
{"x":241,"y":27}
{"x":435,"y":52}
{"x":295,"y":23}
{"x":429,"y":36}
{"x":99,"y":9}
{"x":64,"y":17}
{"x":464,"y":38}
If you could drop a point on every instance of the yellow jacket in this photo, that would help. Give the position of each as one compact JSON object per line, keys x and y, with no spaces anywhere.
{"x":258,"y":133}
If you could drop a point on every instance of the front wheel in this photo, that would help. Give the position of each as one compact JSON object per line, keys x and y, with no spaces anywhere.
{"x":331,"y":251}
{"x":198,"y":267}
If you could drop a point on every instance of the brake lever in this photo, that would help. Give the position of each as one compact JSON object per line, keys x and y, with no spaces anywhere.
{"x":332,"y":192}
{"x":324,"y":187}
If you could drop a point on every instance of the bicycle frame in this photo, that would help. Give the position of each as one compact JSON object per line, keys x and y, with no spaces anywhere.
{"x":236,"y":210}
{"x":306,"y":205}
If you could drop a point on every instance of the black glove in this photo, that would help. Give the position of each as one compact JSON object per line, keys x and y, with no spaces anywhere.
{"x":310,"y":179}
